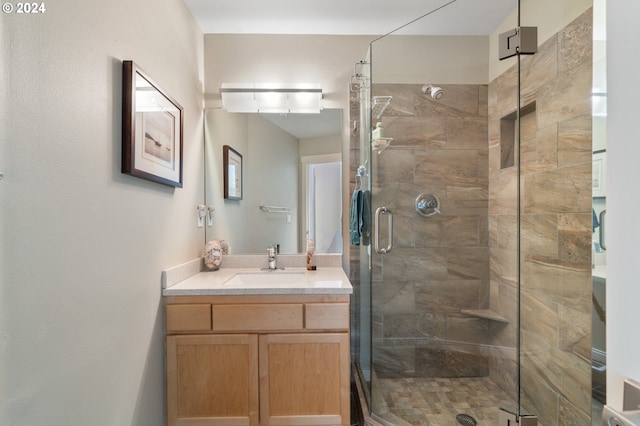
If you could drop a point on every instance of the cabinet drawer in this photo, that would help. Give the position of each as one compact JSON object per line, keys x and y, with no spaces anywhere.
{"x":257,"y":317}
{"x":327,"y":316}
{"x":192,"y":317}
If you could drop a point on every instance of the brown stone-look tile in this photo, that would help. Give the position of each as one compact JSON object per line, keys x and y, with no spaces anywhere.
{"x":483,"y":230}
{"x":539,"y":318}
{"x":503,"y":335}
{"x":447,"y":296}
{"x":541,"y":68}
{"x":483,"y":100}
{"x":574,"y":141}
{"x":574,"y":237}
{"x":547,"y":148}
{"x":417,"y":324}
{"x":503,"y":369}
{"x":528,"y":125}
{"x":558,"y":281}
{"x":418,"y":264}
{"x":507,"y":92}
{"x":571,"y":376}
{"x":565,"y":97}
{"x":416,"y":132}
{"x":447,"y":167}
{"x":494,"y":162}
{"x":394,"y":361}
{"x":575,"y":45}
{"x":508,"y":307}
{"x":503,"y":193}
{"x":570,"y":415}
{"x":450,"y":361}
{"x":397,"y":166}
{"x":403,"y":231}
{"x":391,"y":296}
{"x":503,"y":266}
{"x":539,"y":234}
{"x":537,"y":396}
{"x":564,"y":190}
{"x":506,"y":233}
{"x":467,"y":329}
{"x":468,"y":263}
{"x":447,"y":231}
{"x":467,"y":132}
{"x":465,"y":199}
{"x":377,"y":325}
{"x":528,"y":155}
{"x":575,"y":332}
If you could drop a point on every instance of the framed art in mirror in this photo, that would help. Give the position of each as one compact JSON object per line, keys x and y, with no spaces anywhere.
{"x":232,"y":166}
{"x":599,"y":174}
{"x":152,"y":128}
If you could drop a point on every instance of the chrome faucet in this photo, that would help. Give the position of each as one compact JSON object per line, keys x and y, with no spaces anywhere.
{"x":272,"y":256}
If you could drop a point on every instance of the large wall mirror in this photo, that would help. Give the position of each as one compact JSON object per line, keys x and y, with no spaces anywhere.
{"x":291,"y":177}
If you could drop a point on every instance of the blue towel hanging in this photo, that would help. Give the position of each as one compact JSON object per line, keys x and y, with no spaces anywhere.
{"x":355,"y":217}
{"x":365,"y":218}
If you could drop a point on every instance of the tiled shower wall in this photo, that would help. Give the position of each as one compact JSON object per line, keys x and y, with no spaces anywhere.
{"x":439,"y":264}
{"x":555,"y":227}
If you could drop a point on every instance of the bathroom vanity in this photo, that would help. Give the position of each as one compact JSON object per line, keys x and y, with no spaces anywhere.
{"x":252,"y":347}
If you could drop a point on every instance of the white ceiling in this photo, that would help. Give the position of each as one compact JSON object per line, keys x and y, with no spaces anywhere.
{"x":348,"y":17}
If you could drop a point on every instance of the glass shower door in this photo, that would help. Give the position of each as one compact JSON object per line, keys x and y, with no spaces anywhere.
{"x":484,"y":301}
{"x":444,"y":299}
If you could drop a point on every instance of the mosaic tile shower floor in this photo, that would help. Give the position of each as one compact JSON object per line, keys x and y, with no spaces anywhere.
{"x":435,"y":402}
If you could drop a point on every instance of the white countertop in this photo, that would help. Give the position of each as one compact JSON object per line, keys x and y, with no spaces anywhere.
{"x":599,"y":272}
{"x":325,"y":280}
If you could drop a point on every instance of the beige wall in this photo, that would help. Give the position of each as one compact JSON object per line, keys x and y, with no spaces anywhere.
{"x":431,"y":59}
{"x":83,"y":245}
{"x":321,"y":145}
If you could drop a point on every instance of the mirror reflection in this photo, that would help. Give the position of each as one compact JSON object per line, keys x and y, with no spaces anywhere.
{"x":291,"y":174}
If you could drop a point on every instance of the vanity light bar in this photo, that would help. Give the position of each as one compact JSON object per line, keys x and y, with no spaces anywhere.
{"x":264,"y":99}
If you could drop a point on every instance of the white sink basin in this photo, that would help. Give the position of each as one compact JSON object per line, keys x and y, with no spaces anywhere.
{"x":266,"y":279}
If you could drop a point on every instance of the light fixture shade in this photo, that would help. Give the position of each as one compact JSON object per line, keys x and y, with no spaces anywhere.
{"x":272,"y":98}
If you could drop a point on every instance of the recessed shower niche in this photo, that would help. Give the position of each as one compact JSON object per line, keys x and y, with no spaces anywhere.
{"x":509,"y":134}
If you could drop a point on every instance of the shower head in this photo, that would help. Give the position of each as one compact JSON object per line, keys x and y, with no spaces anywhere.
{"x":435,"y":92}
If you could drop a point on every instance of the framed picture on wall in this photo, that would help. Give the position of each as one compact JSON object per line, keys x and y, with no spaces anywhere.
{"x":232,"y":166}
{"x":151,"y":129}
{"x":599,"y":174}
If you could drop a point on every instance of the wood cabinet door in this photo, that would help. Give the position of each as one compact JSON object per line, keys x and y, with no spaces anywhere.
{"x":212,"y":380}
{"x":304,"y":379}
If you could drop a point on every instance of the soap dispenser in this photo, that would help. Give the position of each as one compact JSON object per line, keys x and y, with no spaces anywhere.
{"x":378,"y":132}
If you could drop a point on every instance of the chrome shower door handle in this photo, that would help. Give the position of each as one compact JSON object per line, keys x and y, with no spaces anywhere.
{"x":376,"y":238}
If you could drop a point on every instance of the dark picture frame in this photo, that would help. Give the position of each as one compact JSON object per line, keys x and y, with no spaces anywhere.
{"x":152,"y":129}
{"x":232,"y":166}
